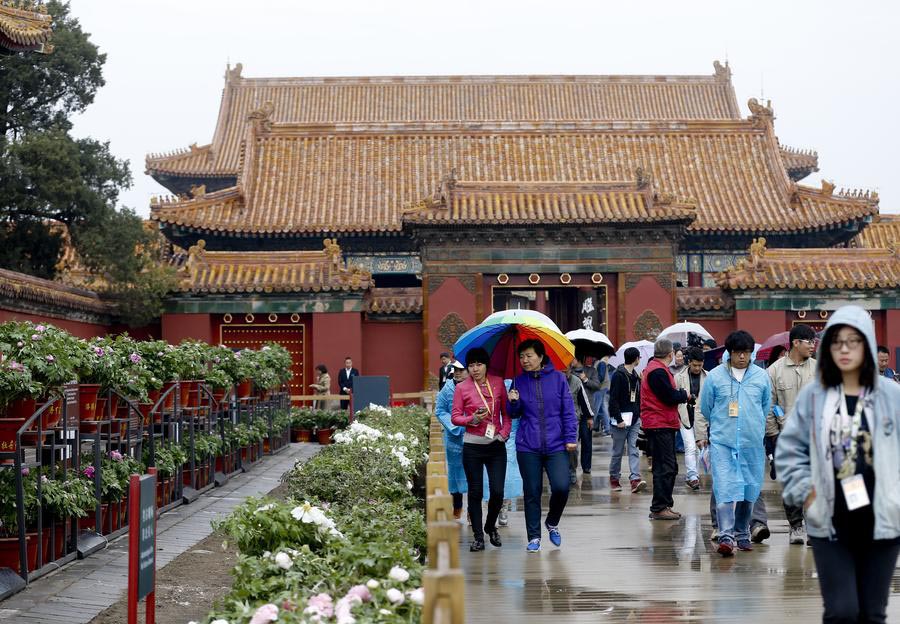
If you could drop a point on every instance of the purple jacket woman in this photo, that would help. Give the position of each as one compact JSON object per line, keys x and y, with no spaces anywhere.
{"x":548,"y":428}
{"x":546,"y":411}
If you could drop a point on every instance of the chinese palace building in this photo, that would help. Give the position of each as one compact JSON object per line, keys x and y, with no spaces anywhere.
{"x":381,"y":217}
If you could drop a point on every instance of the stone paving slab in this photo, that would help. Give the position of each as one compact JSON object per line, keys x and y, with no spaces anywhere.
{"x":79,"y":591}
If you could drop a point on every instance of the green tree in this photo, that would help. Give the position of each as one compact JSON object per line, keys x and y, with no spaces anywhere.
{"x":48,"y":176}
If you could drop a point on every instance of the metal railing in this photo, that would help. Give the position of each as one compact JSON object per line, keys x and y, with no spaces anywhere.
{"x":443,"y":579}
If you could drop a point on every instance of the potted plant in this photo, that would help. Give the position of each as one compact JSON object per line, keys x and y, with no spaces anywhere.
{"x":225,"y":370}
{"x":49,"y":354}
{"x":326,"y":421}
{"x":274,"y":367}
{"x":188,"y":364}
{"x":9,"y":518}
{"x":302,"y":424}
{"x":16,"y":383}
{"x":154,"y":354}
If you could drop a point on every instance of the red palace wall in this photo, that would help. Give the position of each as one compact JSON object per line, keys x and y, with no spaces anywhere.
{"x":761,"y":323}
{"x":177,"y":327}
{"x":393,"y":349}
{"x":719,"y":328}
{"x":334,"y":337}
{"x":76,"y":328}
{"x":646,"y":295}
{"x":448,"y":304}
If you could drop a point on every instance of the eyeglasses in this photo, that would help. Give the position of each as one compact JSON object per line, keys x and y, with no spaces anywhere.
{"x":851,"y":343}
{"x":806,"y":341}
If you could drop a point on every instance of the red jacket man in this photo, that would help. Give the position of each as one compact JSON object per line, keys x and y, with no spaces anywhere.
{"x":659,"y":417}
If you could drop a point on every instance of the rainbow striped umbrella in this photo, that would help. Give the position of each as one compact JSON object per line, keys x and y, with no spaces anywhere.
{"x":502,"y":333}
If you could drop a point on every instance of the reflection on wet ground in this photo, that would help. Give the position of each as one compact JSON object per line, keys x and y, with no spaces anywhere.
{"x":617,"y":566}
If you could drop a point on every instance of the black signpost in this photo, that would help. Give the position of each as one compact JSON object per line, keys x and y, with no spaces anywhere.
{"x":142,"y":545}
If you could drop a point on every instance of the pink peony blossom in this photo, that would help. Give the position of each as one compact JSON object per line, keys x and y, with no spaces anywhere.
{"x":35,"y":336}
{"x":135,"y":358}
{"x":20,"y":344}
{"x":266,"y":613}
{"x":26,"y":471}
{"x":360,"y":591}
{"x":115,"y":456}
{"x":40,"y":328}
{"x":343,"y":610}
{"x":320,"y":604}
{"x":50,"y":358}
{"x":99,"y":351}
{"x":88,"y":472}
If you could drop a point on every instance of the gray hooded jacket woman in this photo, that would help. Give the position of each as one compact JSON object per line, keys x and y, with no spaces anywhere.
{"x":802,"y":457}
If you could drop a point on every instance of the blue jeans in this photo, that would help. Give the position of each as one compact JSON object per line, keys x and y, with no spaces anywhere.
{"x":601,"y":410}
{"x":734,"y":520}
{"x":759,"y":515}
{"x":621,"y":437}
{"x":532,"y":467}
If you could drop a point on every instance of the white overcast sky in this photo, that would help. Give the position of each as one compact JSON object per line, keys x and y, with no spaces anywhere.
{"x":825,"y":65}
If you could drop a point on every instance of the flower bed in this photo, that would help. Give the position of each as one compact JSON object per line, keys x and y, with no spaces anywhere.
{"x":348,"y":544}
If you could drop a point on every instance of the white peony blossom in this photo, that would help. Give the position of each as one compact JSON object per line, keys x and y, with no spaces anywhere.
{"x":385,"y":612}
{"x":265,"y":508}
{"x":417,"y":596}
{"x":409,"y":485}
{"x":395,"y":596}
{"x":373,"y":584}
{"x":283,"y":560}
{"x":398,"y":574}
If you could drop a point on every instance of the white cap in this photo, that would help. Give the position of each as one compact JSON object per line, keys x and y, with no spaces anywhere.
{"x":457,"y":364}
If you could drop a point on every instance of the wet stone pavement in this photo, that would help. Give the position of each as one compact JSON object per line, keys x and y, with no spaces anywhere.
{"x":615,"y":565}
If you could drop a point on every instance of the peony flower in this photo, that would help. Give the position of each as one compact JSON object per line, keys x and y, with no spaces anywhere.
{"x":20,"y":344}
{"x":320,"y":604}
{"x":35,"y":336}
{"x":283,"y":561}
{"x":98,"y":351}
{"x":266,"y":613}
{"x":381,"y":611}
{"x":40,"y":328}
{"x":115,"y":456}
{"x":135,"y":358}
{"x":26,"y":471}
{"x":361,"y":592}
{"x":373,"y":584}
{"x":265,"y":508}
{"x":88,"y":472}
{"x":395,"y":596}
{"x":44,"y":479}
{"x":343,"y":609}
{"x":50,"y":358}
{"x":409,"y":485}
{"x":398,"y":574}
{"x":417,"y":596}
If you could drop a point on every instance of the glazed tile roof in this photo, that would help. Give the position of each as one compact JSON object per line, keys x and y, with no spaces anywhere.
{"x":882,"y":233}
{"x":269,"y":272}
{"x":703,"y":300}
{"x":544,"y":202}
{"x":394,"y":301}
{"x":24,"y":26}
{"x":813,"y":269}
{"x":19,"y":286}
{"x":799,"y":163}
{"x":442,"y":99}
{"x":360,"y":178}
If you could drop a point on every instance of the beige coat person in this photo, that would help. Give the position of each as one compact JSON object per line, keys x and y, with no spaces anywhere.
{"x":683,"y":382}
{"x":322,"y":386}
{"x":787,"y":379}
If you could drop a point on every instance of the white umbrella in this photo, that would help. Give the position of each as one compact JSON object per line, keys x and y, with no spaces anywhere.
{"x":679,"y":332}
{"x":591,"y":342}
{"x":644,"y":346}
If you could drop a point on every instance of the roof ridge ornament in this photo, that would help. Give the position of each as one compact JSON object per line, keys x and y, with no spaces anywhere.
{"x":642,"y":177}
{"x":827,"y":188}
{"x":757,"y":252}
{"x":233,"y":75}
{"x":198,"y":191}
{"x":723,"y":72}
{"x":261,"y":117}
{"x":761,"y":115}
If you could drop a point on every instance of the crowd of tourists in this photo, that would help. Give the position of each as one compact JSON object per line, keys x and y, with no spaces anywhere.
{"x":822,"y":422}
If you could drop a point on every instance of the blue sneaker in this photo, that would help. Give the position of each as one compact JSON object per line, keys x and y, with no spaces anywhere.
{"x":534,"y":545}
{"x":555,"y":537}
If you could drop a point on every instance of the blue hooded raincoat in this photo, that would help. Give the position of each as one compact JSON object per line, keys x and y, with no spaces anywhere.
{"x":453,"y":439}
{"x":737,"y":452}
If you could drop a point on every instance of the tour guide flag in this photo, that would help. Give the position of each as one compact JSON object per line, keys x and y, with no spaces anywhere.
{"x":501,"y":335}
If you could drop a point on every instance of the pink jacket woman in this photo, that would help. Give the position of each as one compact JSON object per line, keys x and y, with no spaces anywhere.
{"x":467,"y":399}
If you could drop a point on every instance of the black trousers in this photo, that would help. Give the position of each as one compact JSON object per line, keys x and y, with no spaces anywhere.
{"x":476,"y":458}
{"x":665,"y":467}
{"x":855,"y":579}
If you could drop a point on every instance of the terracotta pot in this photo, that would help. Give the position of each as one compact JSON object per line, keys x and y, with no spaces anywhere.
{"x":219,"y":394}
{"x":169,"y":401}
{"x":8,"y":429}
{"x":188,"y":393}
{"x":324,"y":435}
{"x":146,"y":412}
{"x":266,"y":445}
{"x":153,"y":396}
{"x":59,"y":546}
{"x":244,"y":389}
{"x":9,"y":552}
{"x":89,"y":522}
{"x":87,"y":401}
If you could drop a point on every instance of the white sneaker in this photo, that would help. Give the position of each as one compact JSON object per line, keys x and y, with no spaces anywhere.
{"x":503,"y":520}
{"x":714,"y":536}
{"x":797,"y":535}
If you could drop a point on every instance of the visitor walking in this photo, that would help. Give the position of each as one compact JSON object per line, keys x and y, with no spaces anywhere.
{"x":788,"y":376}
{"x":480,"y":405}
{"x":839,"y":457}
{"x":322,"y":386}
{"x":601,"y":396}
{"x":547,"y":431}
{"x":453,"y":437}
{"x":345,"y":380}
{"x":585,"y":415}
{"x":735,"y":400}
{"x":625,"y":422}
{"x":445,"y":372}
{"x":884,"y":360}
{"x":659,"y":415}
{"x":690,"y":378}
